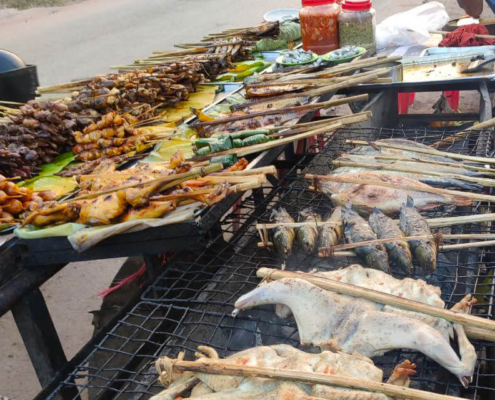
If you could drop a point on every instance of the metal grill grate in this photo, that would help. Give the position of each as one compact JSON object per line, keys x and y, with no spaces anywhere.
{"x":190,"y":304}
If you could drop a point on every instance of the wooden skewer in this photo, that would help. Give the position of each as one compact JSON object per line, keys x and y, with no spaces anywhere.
{"x":241,"y":152}
{"x":308,"y":108}
{"x":432,"y":222}
{"x":478,"y":160}
{"x":233,"y":178}
{"x":461,"y":165}
{"x":312,"y":378}
{"x":269,"y":170}
{"x":417,"y":188}
{"x":244,"y":151}
{"x":443,"y":33}
{"x":354,"y":245}
{"x":295,"y":224}
{"x":464,"y":219}
{"x":382,"y":298}
{"x":396,"y":167}
{"x":187,"y":175}
{"x":347,"y":119}
{"x":461,"y":135}
{"x":348,"y":83}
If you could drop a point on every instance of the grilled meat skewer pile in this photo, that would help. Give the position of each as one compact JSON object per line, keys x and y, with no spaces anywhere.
{"x":113,"y":135}
{"x":38,"y":133}
{"x":165,"y":85}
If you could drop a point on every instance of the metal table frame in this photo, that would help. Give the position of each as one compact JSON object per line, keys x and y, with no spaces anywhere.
{"x":26,"y":265}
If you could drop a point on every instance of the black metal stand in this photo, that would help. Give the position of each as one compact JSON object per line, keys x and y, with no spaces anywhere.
{"x":39,"y":335}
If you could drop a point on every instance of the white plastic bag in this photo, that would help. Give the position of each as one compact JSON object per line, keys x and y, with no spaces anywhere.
{"x":411,"y":27}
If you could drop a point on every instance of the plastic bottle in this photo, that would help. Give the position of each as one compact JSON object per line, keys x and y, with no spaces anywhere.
{"x":357,"y":25}
{"x":319,"y":25}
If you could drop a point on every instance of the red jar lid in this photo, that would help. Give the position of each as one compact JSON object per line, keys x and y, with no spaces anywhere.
{"x":312,"y":3}
{"x":356,"y":5}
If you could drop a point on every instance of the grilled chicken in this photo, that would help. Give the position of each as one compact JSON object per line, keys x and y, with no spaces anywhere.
{"x":218,"y":387}
{"x":348,"y":324}
{"x":154,"y":209}
{"x":104,"y":209}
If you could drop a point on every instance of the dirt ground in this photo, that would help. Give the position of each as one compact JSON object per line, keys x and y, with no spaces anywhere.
{"x":84,"y":39}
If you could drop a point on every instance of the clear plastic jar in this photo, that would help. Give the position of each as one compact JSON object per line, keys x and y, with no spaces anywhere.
{"x":357,"y":25}
{"x":319,"y":25}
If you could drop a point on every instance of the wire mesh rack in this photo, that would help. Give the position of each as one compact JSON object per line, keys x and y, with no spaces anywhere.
{"x":191,"y":303}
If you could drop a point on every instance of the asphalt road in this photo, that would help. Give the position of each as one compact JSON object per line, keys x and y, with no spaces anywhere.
{"x":82,"y":40}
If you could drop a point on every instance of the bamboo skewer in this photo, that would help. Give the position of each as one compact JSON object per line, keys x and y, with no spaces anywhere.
{"x":269,"y":170}
{"x":244,"y":151}
{"x":241,"y":152}
{"x":393,"y":167}
{"x":383,"y":298}
{"x":243,"y":187}
{"x":187,"y":175}
{"x":417,"y":188}
{"x":479,"y":160}
{"x":312,"y":378}
{"x":459,"y":165}
{"x":347,"y":119}
{"x":461,"y":135}
{"x":432,"y":222}
{"x":347,"y":83}
{"x":354,"y":245}
{"x":304,"y":108}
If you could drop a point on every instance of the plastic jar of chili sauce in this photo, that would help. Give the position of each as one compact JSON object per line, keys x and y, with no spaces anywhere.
{"x":319,"y":25}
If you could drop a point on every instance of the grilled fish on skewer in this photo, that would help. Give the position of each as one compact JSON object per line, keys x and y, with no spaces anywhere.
{"x":330,"y":235}
{"x":356,"y":229}
{"x":365,"y":198}
{"x":413,"y":224}
{"x":438,"y":181}
{"x":386,"y":228}
{"x":381,"y":151}
{"x":381,"y":159}
{"x":349,"y":324}
{"x":283,"y":236}
{"x":308,"y":234}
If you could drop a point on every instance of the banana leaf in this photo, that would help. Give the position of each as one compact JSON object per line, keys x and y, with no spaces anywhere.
{"x":200,"y":99}
{"x":60,"y":185}
{"x":167,"y":148}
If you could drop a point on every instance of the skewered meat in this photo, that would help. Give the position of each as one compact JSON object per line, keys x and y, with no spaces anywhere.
{"x":356,"y":229}
{"x":365,"y":198}
{"x":349,"y":324}
{"x":408,"y":288}
{"x":103,"y":209}
{"x":208,"y":386}
{"x":40,"y":131}
{"x":307,"y":235}
{"x":386,"y":228}
{"x":155,"y":209}
{"x":438,"y":181}
{"x":283,"y":236}
{"x":330,"y":234}
{"x":413,"y":224}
